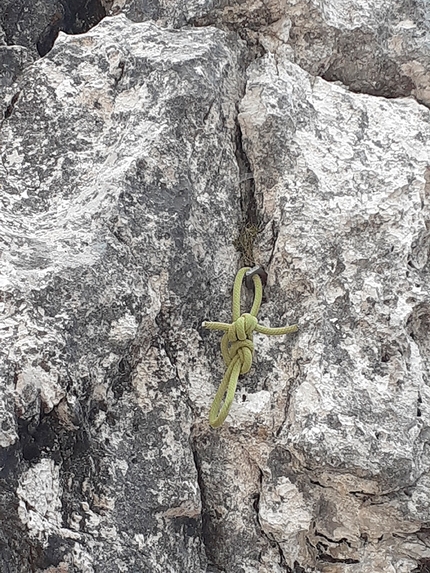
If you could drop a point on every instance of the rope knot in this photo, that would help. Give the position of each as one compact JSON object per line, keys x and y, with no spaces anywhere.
{"x":242,"y":328}
{"x":237,"y":346}
{"x":239,"y":342}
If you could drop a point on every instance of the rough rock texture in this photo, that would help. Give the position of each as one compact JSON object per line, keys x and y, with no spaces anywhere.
{"x":13,"y":60}
{"x":135,"y":159}
{"x":342,"y":183}
{"x":375,"y":47}
{"x":120,"y":153}
{"x":36,"y":24}
{"x":29,"y":29}
{"x":380,"y":47}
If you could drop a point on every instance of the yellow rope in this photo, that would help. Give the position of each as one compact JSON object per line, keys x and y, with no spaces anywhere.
{"x":237,"y":346}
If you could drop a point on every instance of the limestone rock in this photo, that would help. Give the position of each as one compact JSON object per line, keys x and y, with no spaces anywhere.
{"x":118,"y":177}
{"x":372,"y":46}
{"x":343,"y":192}
{"x":13,"y":60}
{"x":135,"y":161}
{"x":35,"y":24}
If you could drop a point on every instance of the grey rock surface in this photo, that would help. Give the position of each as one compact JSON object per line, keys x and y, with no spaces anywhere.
{"x":35,"y":24}
{"x":136,"y":161}
{"x":343,"y":190}
{"x":13,"y":60}
{"x":372,"y":46}
{"x":118,"y":176}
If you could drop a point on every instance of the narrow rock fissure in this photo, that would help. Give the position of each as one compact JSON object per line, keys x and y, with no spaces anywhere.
{"x":269,"y":538}
{"x":212,"y":567}
{"x":244,"y":242}
{"x":247,"y":232}
{"x":249,"y":226}
{"x":10,"y":107}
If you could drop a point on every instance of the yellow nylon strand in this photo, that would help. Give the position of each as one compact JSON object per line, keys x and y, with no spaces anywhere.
{"x":237,"y":345}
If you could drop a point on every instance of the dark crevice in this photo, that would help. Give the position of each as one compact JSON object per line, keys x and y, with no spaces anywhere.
{"x":326,"y":558}
{"x":423,"y":566}
{"x":269,"y":538}
{"x":120,"y":377}
{"x":120,"y":73}
{"x":296,"y":568}
{"x":256,"y":506}
{"x":163,"y":321}
{"x":319,"y":484}
{"x":249,"y":226}
{"x":334,"y":541}
{"x":275,"y":235}
{"x":248,"y":200}
{"x":212,"y":567}
{"x":323,"y":548}
{"x":9,"y":109}
{"x":72,"y":17}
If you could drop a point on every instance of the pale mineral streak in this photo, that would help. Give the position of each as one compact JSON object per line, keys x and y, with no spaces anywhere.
{"x":39,"y":494}
{"x":131,"y":156}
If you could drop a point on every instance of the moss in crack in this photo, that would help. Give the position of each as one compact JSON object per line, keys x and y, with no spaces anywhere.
{"x":250,"y":226}
{"x":244,"y":243}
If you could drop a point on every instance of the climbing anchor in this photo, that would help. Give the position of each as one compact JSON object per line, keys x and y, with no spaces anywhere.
{"x":237,"y":345}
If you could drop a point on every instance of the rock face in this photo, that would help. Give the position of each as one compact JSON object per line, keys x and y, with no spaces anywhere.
{"x":13,"y":60}
{"x":36,"y":24}
{"x":142,"y":163}
{"x":372,"y":46}
{"x":125,"y":180}
{"x":343,"y":192}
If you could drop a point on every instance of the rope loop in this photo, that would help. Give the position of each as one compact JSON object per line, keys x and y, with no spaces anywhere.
{"x":237,"y":345}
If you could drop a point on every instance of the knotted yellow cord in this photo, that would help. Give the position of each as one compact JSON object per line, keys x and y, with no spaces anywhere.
{"x":237,"y":346}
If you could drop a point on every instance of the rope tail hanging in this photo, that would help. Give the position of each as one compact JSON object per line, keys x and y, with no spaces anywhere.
{"x":237,"y":345}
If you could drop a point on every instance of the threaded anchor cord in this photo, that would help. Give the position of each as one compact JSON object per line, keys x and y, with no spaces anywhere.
{"x":237,"y":345}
